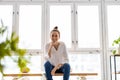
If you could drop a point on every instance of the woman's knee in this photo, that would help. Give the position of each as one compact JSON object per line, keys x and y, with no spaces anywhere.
{"x":47,"y":63}
{"x":66,"y":65}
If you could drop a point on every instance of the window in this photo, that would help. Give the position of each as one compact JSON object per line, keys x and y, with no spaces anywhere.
{"x":12,"y":67}
{"x":79,"y":25}
{"x":30,"y":26}
{"x":60,"y":15}
{"x":113,"y":12}
{"x":88,"y":26}
{"x":6,"y":12}
{"x":86,"y":63}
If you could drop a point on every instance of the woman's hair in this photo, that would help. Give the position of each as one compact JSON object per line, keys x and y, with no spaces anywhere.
{"x":56,"y":29}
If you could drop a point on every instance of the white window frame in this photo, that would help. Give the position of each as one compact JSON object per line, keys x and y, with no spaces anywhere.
{"x":109,"y":49}
{"x":45,"y":35}
{"x":111,"y":2}
{"x":88,"y":49}
{"x":42,"y":24}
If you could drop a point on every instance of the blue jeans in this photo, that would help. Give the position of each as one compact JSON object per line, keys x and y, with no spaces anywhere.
{"x":65,"y":69}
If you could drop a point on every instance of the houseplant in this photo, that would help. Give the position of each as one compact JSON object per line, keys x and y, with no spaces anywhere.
{"x":116,"y":42}
{"x":9,"y":47}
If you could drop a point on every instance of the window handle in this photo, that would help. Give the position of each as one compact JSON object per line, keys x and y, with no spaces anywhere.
{"x":17,"y":12}
{"x":72,"y":41}
{"x":72,"y":11}
{"x":76,"y":12}
{"x":76,"y":41}
{"x":13,"y":13}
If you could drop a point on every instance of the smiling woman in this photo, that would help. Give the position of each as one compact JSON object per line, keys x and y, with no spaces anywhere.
{"x":57,"y":61}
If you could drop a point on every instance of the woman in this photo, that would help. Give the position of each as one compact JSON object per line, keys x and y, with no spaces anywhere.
{"x":57,"y":60}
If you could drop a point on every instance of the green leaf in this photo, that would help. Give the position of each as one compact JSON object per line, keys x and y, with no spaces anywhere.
{"x":2,"y":28}
{"x":114,"y":51}
{"x":116,"y":41}
{"x":1,"y":68}
{"x":21,"y":52}
{"x":22,"y":62}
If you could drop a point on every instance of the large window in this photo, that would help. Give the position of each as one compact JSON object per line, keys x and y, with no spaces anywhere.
{"x":84,"y":60}
{"x":30,"y":26}
{"x":80,"y":24}
{"x":6,"y":12}
{"x":60,"y":15}
{"x":113,"y":13}
{"x":86,"y":63}
{"x":12,"y":67}
{"x":88,"y":26}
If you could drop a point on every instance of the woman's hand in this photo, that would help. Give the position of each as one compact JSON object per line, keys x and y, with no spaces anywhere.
{"x":55,"y":68}
{"x":53,"y":71}
{"x":51,"y":45}
{"x":54,"y":43}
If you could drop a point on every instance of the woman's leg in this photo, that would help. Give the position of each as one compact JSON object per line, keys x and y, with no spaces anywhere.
{"x":66,"y":71}
{"x":48,"y":68}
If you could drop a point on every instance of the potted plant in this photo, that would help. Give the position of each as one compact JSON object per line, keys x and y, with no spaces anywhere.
{"x":9,"y":47}
{"x":116,"y":42}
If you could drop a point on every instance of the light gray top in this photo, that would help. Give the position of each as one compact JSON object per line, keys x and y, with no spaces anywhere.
{"x":58,"y":56}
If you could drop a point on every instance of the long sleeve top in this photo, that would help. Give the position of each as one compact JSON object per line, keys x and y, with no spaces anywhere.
{"x":58,"y":56}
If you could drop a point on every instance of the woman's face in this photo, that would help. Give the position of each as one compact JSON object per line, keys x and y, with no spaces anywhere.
{"x":54,"y":36}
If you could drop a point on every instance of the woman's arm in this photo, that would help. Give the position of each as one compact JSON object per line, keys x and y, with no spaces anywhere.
{"x":50,"y":47}
{"x":49,"y":50}
{"x":55,"y":68}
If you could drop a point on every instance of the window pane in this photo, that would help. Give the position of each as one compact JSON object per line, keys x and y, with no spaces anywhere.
{"x":30,"y":26}
{"x":88,"y":27}
{"x":34,"y":65}
{"x":6,"y":16}
{"x":86,"y":63}
{"x":113,"y":12}
{"x":60,"y":15}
